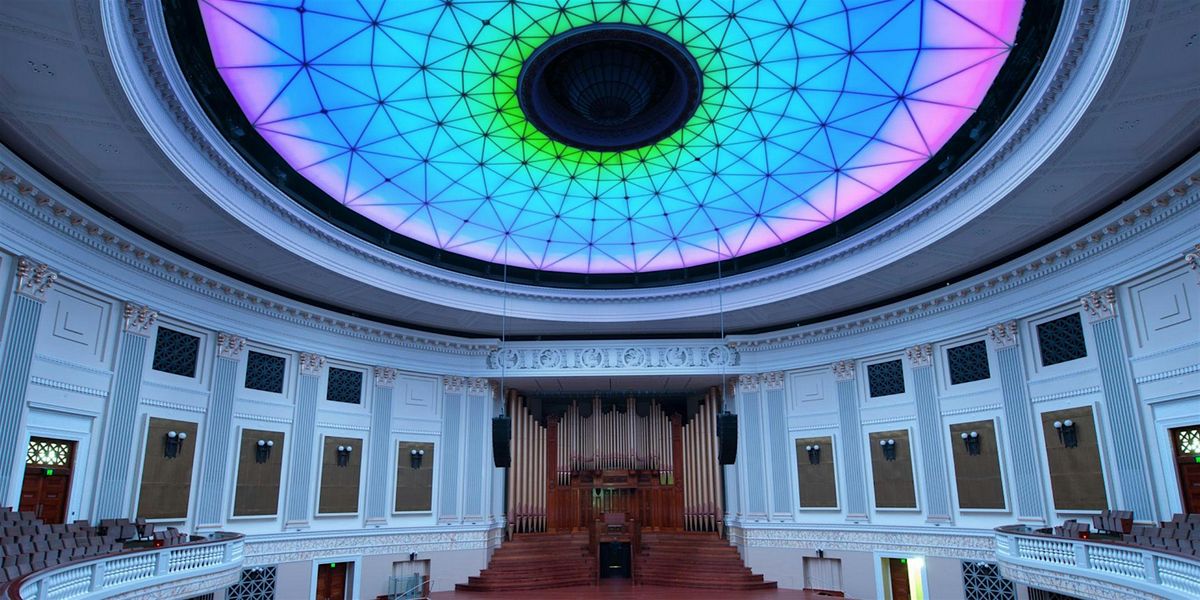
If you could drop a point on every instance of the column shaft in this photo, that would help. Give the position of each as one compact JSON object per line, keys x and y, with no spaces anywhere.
{"x":218,"y":431}
{"x":381,"y":436}
{"x":854,"y":467}
{"x":929,"y":437}
{"x":1022,"y":437}
{"x":20,"y":333}
{"x":300,"y":488}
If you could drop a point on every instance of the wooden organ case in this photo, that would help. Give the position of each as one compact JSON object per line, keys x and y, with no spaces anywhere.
{"x":613,"y":465}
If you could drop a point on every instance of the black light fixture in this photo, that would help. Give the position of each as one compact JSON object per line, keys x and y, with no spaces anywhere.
{"x":173,"y":443}
{"x":971,"y":441}
{"x":1067,"y":433}
{"x":262,"y":450}
{"x":343,"y":457}
{"x":888,"y":447}
{"x":414,"y":458}
{"x":814,"y":454}
{"x":412,"y":556}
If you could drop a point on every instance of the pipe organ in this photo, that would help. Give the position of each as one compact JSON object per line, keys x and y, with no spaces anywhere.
{"x":576,"y":459}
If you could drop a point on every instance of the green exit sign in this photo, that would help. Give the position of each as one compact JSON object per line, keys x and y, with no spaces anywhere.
{"x":49,"y":471}
{"x":1198,"y":459}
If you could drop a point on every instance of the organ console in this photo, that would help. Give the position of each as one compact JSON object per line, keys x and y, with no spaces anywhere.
{"x":578,"y":462}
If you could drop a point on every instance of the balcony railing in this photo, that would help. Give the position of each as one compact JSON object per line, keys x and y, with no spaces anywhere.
{"x":199,"y":567}
{"x":1075,"y":566}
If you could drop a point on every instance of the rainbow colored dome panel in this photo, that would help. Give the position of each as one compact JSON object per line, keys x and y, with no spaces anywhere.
{"x":407,"y":112}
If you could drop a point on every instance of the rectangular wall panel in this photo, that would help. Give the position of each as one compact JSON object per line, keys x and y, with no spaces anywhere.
{"x":257,"y":491}
{"x":1076,"y":474}
{"x":166,"y":482}
{"x":818,"y":483}
{"x":339,"y":485}
{"x":414,"y":487}
{"x":977,"y":477}
{"x":893,"y":479}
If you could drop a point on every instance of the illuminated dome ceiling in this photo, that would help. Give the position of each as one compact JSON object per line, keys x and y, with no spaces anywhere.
{"x":611,"y":138}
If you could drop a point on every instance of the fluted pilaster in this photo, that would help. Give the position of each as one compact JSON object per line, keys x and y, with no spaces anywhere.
{"x":218,"y":432}
{"x":1021,"y":434}
{"x":855,"y":466}
{"x":380,"y":441}
{"x":929,"y":435}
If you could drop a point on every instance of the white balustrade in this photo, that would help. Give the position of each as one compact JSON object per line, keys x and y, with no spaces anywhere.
{"x":1101,"y":563}
{"x":123,"y":573}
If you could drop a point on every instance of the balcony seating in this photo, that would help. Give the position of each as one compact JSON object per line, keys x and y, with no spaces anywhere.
{"x":27,"y":544}
{"x":1113,"y":521}
{"x":1072,"y":529}
{"x":1181,"y":534}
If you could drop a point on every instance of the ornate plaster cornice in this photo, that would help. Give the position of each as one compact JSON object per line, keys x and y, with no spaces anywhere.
{"x":920,"y":355}
{"x":311,"y":364}
{"x":958,"y":545}
{"x":385,"y":377}
{"x":92,"y":229}
{"x":1064,"y":582}
{"x":230,"y":345}
{"x":1100,"y":305}
{"x":33,"y":279}
{"x":641,"y":357}
{"x":1088,"y":241}
{"x":470,"y":385}
{"x":844,"y":370}
{"x":1003,"y":335}
{"x":277,"y":549}
{"x":138,"y":319}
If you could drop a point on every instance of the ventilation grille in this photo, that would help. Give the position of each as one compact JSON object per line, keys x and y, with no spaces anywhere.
{"x":885,"y":378}
{"x":1061,"y":340}
{"x":265,"y":372}
{"x":344,"y":386}
{"x":982,"y":581}
{"x":175,"y":352}
{"x":968,"y":363}
{"x":255,"y":584}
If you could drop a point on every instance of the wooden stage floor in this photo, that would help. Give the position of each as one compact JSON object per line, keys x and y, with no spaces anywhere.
{"x":624,"y":590}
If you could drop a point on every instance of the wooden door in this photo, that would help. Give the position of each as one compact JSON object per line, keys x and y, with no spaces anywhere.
{"x":1187,"y":459}
{"x":898,"y":575}
{"x":47,"y":483}
{"x":331,"y":581}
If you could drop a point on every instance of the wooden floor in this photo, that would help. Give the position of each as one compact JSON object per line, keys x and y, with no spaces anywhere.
{"x":623,"y":590}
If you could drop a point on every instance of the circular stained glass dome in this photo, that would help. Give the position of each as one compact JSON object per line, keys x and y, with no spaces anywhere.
{"x":607,"y":137}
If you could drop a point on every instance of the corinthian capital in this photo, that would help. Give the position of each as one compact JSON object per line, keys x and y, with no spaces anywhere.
{"x":34,"y":279}
{"x":139,"y":318}
{"x":230,"y":345}
{"x":1003,"y":334}
{"x":385,"y":377}
{"x":920,"y":355}
{"x":311,"y":363}
{"x":1192,"y":260}
{"x":1100,"y":305}
{"x":843,"y":370}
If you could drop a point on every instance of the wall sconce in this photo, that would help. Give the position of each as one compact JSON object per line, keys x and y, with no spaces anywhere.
{"x":971,"y":441}
{"x":412,"y":556}
{"x":343,"y":457}
{"x":173,"y":443}
{"x":414,"y":458}
{"x":1066,"y":433}
{"x":262,"y":451}
{"x":888,"y":447}
{"x":814,"y":454}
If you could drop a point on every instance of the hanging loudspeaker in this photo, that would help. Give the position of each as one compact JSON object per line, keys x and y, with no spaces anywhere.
{"x":501,"y":436}
{"x":727,"y":434}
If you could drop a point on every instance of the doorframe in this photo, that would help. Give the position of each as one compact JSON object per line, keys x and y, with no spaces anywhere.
{"x":355,"y":579}
{"x":879,"y":574}
{"x":1165,"y":443}
{"x":1177,"y":465}
{"x":52,"y":422}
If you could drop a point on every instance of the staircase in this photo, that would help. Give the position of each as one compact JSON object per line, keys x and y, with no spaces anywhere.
{"x":534,"y":561}
{"x":693,"y":560}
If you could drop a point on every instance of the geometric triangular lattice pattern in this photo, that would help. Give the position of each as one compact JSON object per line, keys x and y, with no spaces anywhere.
{"x":982,"y":581}
{"x":255,"y":584}
{"x":406,"y":112}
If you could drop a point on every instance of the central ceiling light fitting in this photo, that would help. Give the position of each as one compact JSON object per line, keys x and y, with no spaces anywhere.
{"x":609,"y":87}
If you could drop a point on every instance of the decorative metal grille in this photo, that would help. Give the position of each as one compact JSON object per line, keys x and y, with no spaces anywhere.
{"x":1188,"y":441}
{"x":175,"y":352}
{"x":256,"y":584}
{"x":48,"y":453}
{"x":982,"y":581}
{"x":1040,"y":594}
{"x":344,"y":386}
{"x":886,"y":378}
{"x":1061,"y":340}
{"x":968,"y":363}
{"x":265,"y":372}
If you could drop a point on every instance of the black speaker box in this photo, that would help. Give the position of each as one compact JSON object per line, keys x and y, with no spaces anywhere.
{"x":501,"y":436}
{"x":727,"y":437}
